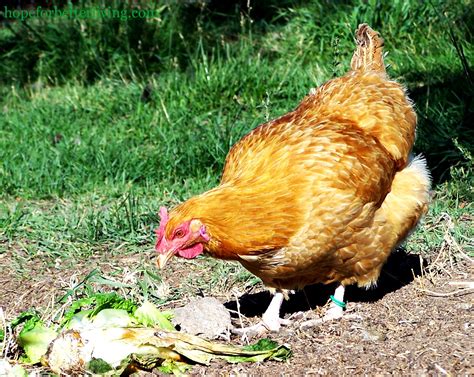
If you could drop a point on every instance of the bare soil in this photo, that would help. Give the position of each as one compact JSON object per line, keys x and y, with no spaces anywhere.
{"x":415,"y":322}
{"x":406,"y":332}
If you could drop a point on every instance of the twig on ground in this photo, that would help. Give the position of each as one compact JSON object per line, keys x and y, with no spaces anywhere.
{"x":244,"y":336}
{"x":441,"y":370}
{"x":459,"y":292}
{"x":3,"y":326}
{"x":467,"y":284}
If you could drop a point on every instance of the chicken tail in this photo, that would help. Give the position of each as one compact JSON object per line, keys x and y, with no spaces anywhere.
{"x":368,"y":55}
{"x":408,"y":199}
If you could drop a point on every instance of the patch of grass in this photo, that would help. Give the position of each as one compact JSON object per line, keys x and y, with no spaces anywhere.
{"x":75,"y":139}
{"x":448,"y":224}
{"x":173,"y":125}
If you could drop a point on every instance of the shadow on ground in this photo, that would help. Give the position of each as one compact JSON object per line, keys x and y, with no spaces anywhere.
{"x":400,"y":270}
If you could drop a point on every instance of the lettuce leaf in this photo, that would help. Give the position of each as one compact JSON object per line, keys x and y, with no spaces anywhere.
{"x":35,"y":341}
{"x":149,"y":315}
{"x":95,"y":304}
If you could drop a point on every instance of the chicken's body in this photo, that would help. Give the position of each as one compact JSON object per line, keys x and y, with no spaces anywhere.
{"x":324,"y":193}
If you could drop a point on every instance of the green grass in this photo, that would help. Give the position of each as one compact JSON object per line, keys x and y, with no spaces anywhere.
{"x":87,"y":134}
{"x":144,"y":112}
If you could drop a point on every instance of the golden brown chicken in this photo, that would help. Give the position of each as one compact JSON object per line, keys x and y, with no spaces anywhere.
{"x":322,"y":194}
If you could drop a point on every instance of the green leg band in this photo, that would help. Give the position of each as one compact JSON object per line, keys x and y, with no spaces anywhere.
{"x":337,"y":302}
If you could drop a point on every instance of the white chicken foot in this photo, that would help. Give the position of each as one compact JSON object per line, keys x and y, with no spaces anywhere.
{"x":335,"y":311}
{"x":336,"y":308}
{"x":271,"y":320}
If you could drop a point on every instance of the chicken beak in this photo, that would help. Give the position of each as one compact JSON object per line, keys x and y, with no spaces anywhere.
{"x":164,"y":258}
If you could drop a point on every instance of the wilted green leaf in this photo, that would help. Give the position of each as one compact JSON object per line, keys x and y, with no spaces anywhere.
{"x":112,"y":318}
{"x":98,"y":366}
{"x":262,"y":345}
{"x":178,"y":368}
{"x":29,"y":318}
{"x":149,"y":315}
{"x":278,"y":353}
{"x":35,"y":341}
{"x":96,"y":303}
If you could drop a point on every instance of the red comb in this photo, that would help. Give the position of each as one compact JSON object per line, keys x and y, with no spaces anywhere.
{"x":160,"y":231}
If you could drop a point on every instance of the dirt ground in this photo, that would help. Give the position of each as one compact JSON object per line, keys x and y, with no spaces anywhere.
{"x":406,"y":332}
{"x":414,"y":323}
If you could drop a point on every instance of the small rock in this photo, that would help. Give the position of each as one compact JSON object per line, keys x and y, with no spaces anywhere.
{"x":203,"y":316}
{"x":464,"y":306}
{"x":372,"y":335}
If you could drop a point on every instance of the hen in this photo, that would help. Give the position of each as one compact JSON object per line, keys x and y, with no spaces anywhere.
{"x":319,"y":195}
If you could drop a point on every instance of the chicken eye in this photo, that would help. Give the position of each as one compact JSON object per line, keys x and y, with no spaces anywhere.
{"x":179,"y":233}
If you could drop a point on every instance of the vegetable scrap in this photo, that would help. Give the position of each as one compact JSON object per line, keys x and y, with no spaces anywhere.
{"x":107,"y":335}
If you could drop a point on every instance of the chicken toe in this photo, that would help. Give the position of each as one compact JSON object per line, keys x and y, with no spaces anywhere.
{"x":334,"y":312}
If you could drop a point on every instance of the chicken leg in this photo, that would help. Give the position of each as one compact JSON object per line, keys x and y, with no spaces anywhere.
{"x":271,"y":320}
{"x":336,"y":309}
